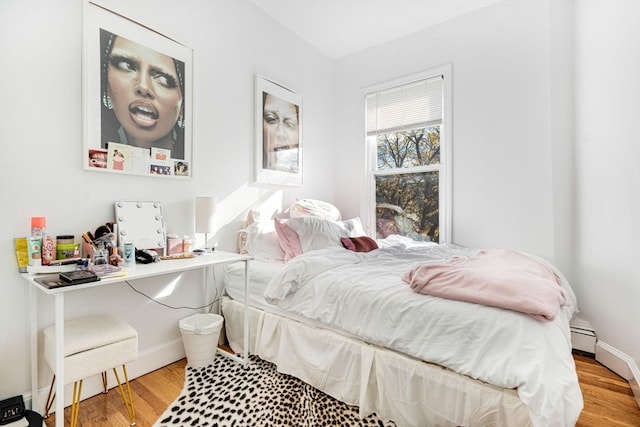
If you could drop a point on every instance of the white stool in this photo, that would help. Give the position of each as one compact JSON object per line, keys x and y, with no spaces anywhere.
{"x":92,"y":345}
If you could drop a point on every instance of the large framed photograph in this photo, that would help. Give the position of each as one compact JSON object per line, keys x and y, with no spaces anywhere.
{"x":278,"y":134}
{"x":137,"y":97}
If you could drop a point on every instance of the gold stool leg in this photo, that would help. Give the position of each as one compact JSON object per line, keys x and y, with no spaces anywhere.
{"x":104,"y":382}
{"x":50,"y":397}
{"x":75,"y":404}
{"x":127,"y":397}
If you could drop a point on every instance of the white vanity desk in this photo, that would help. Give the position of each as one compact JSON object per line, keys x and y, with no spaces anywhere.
{"x":138,"y":272}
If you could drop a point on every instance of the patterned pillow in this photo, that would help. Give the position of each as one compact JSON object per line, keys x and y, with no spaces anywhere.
{"x":252,"y":216}
{"x":314,"y":208}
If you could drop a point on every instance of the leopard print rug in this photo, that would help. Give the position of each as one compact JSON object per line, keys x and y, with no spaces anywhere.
{"x":224,"y":394}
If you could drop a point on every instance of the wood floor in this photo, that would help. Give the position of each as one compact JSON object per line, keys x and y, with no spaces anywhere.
{"x":608,"y":399}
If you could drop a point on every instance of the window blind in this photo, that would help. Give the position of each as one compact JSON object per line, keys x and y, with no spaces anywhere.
{"x":409,"y":106}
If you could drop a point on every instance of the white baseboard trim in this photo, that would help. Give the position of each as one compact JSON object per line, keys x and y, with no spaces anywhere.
{"x":149,"y":360}
{"x":621,"y":364}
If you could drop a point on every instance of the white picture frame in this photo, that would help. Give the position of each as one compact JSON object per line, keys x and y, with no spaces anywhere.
{"x":278,"y":126}
{"x":146,"y":129}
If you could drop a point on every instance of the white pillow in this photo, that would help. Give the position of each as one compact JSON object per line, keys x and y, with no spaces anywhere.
{"x":263,"y":242}
{"x":316,"y":233}
{"x":354,"y":226}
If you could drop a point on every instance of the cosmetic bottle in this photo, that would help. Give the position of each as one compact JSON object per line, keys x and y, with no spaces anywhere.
{"x":38,"y":225}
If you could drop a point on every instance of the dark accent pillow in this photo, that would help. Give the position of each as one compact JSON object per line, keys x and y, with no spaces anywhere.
{"x":359,"y":244}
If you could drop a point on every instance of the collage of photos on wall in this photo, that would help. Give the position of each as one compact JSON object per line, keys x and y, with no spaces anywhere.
{"x":137,"y":91}
{"x":139,"y":161}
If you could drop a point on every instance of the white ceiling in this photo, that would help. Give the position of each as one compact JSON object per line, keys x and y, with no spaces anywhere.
{"x":341,"y":27}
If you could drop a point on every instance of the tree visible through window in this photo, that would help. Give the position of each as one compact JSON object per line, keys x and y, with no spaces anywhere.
{"x":408,"y":203}
{"x":404,"y":127}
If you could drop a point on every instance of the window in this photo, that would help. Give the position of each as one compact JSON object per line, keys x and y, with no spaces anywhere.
{"x":408,"y":147}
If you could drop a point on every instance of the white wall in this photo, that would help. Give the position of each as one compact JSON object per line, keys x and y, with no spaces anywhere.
{"x":501,"y":123}
{"x":545,"y":136}
{"x":40,"y":152}
{"x":607,"y":123}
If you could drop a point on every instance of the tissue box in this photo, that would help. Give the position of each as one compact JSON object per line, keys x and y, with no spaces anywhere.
{"x":175,"y":245}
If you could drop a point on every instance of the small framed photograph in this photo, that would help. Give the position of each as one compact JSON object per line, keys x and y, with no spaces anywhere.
{"x":137,"y":91}
{"x":278,"y":134}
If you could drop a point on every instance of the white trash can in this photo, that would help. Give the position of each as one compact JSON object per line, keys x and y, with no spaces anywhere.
{"x":200,"y":335}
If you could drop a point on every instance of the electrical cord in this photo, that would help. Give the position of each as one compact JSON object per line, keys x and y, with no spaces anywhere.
{"x":182,"y":307}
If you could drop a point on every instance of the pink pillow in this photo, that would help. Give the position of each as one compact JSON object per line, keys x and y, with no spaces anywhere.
{"x":359,"y":244}
{"x":289,"y":240}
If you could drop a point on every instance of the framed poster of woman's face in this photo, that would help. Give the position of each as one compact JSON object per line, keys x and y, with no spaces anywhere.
{"x":137,"y":97}
{"x":278,"y":134}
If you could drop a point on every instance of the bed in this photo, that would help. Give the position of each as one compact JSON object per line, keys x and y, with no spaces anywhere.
{"x":347,"y":323}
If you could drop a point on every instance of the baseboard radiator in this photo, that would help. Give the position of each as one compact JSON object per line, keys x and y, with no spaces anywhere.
{"x":583,"y":337}
{"x":584,"y":341}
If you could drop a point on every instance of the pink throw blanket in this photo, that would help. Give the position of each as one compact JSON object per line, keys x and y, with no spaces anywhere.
{"x":499,"y":278}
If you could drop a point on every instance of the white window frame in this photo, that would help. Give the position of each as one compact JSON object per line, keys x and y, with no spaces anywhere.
{"x":445,"y":167}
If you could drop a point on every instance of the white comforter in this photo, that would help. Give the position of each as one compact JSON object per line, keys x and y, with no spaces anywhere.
{"x":364,"y":295}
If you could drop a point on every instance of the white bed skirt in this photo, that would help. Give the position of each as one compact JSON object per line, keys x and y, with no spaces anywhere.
{"x":394,"y":386}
